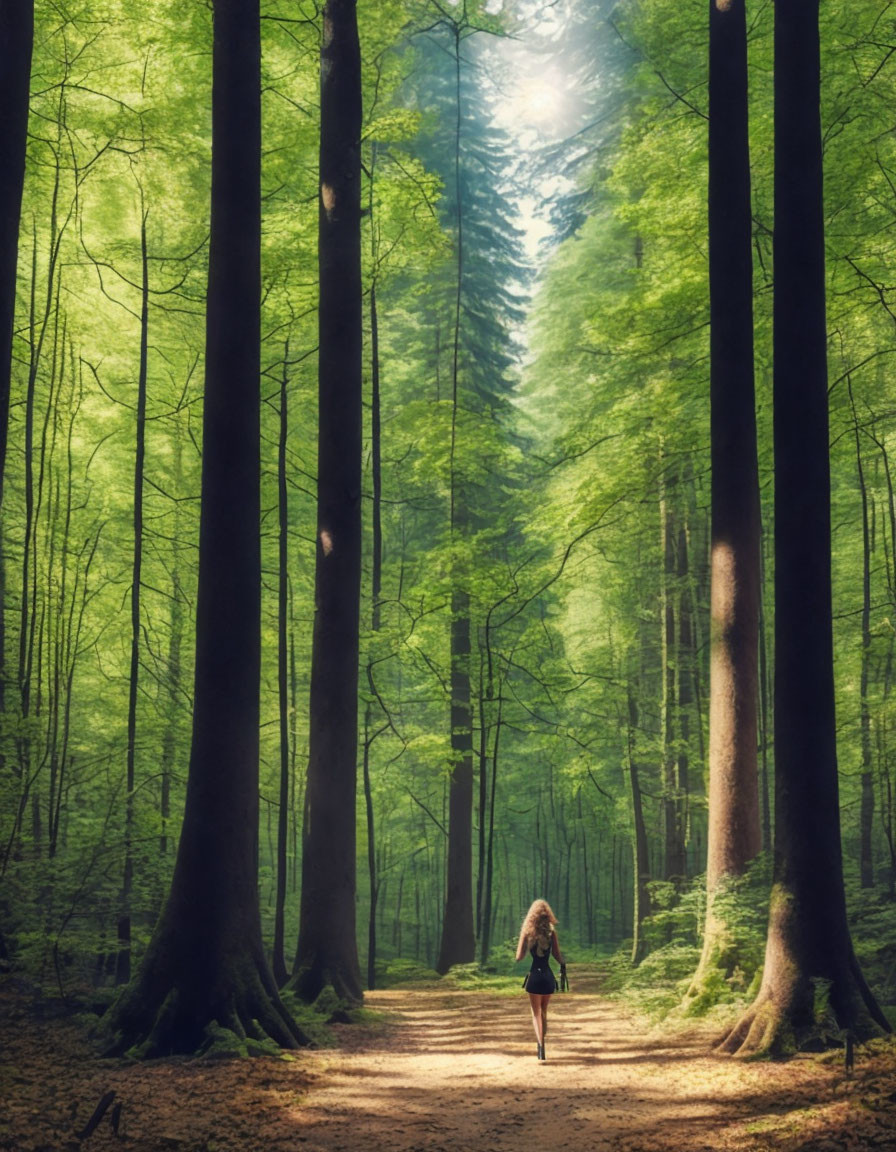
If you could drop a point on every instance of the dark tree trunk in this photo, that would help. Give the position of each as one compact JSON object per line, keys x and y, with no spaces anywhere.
{"x":175,"y":643}
{"x":376,"y":584}
{"x":372,"y":871}
{"x":482,"y":805}
{"x":866,"y":821}
{"x":278,"y":961}
{"x":765,"y":720}
{"x":733,"y":827}
{"x":458,"y":943}
{"x":16,"y":40}
{"x":123,"y":964}
{"x":490,"y":849}
{"x":809,"y":945}
{"x":640,"y":854}
{"x":328,"y":952}
{"x":205,"y":963}
{"x":376,"y":468}
{"x":673,"y":844}
{"x":685,"y":672}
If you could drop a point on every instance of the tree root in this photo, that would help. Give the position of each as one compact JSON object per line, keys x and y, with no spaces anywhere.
{"x":137,"y":1024}
{"x":763,"y":1030}
{"x":795,"y":1017}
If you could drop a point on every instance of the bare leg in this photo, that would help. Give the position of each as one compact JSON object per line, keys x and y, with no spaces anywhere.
{"x":535,"y":1002}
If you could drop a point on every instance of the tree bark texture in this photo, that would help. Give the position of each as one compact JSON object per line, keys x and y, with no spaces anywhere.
{"x":734,"y":831}
{"x":327,"y":951}
{"x":488,"y":900}
{"x":685,"y":661}
{"x":16,"y":41}
{"x":205,"y":964}
{"x":123,"y":964}
{"x":809,"y":957}
{"x":278,"y":960}
{"x":866,"y":820}
{"x":458,"y":941}
{"x":376,"y":583}
{"x":640,"y":851}
{"x":733,"y":834}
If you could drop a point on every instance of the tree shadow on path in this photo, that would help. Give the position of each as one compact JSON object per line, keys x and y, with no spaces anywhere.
{"x":459,"y":1071}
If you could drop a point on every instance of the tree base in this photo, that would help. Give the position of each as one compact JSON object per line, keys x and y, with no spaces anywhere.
{"x":158,"y":1015}
{"x":312,"y":975}
{"x":806,"y":1014}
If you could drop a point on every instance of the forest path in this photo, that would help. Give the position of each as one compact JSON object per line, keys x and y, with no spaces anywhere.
{"x":458,"y":1070}
{"x":448,"y":1071}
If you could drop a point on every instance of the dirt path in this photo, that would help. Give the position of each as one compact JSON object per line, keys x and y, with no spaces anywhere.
{"x":450,"y":1071}
{"x":460,"y":1072}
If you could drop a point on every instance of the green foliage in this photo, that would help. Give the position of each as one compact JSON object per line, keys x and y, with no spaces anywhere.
{"x":223,"y":1044}
{"x":663,"y":983}
{"x":657,"y":985}
{"x":580,"y":438}
{"x":313,"y":1019}
{"x":399,"y":970}
{"x":873,"y":923}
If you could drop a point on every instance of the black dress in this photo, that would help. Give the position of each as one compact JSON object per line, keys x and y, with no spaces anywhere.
{"x":541,"y":980}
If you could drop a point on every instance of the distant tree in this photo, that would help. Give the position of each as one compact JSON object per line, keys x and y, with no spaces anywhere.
{"x":640,"y":847}
{"x":205,"y":963}
{"x":466,"y":150}
{"x":733,"y":832}
{"x":809,"y":949}
{"x":327,"y":951}
{"x":278,"y":961}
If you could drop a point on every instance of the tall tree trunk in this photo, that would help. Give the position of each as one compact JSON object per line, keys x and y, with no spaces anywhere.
{"x":674,"y":866}
{"x":686,"y":661}
{"x":16,"y":41}
{"x":866,"y":821}
{"x":766,"y":737}
{"x":123,"y":964}
{"x":458,"y":943}
{"x":278,"y":961}
{"x":641,"y":861}
{"x":206,"y":963}
{"x":328,"y":952}
{"x":376,"y":581}
{"x":169,"y":736}
{"x":809,"y":947}
{"x":490,"y":848}
{"x":372,"y":870}
{"x":733,"y":829}
{"x":175,"y":644}
{"x":482,"y":805}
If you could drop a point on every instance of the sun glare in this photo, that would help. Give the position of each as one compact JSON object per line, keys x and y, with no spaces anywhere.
{"x":538,"y":98}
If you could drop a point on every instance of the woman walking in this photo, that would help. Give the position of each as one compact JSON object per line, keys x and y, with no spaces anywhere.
{"x":538,"y":938}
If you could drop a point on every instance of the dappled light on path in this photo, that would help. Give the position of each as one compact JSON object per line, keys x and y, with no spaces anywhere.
{"x":460,"y":1071}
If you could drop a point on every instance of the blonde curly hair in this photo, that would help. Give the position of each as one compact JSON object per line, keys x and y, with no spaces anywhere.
{"x":538,"y":926}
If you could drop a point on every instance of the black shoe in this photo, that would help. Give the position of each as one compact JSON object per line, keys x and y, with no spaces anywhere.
{"x":541,"y":1051}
